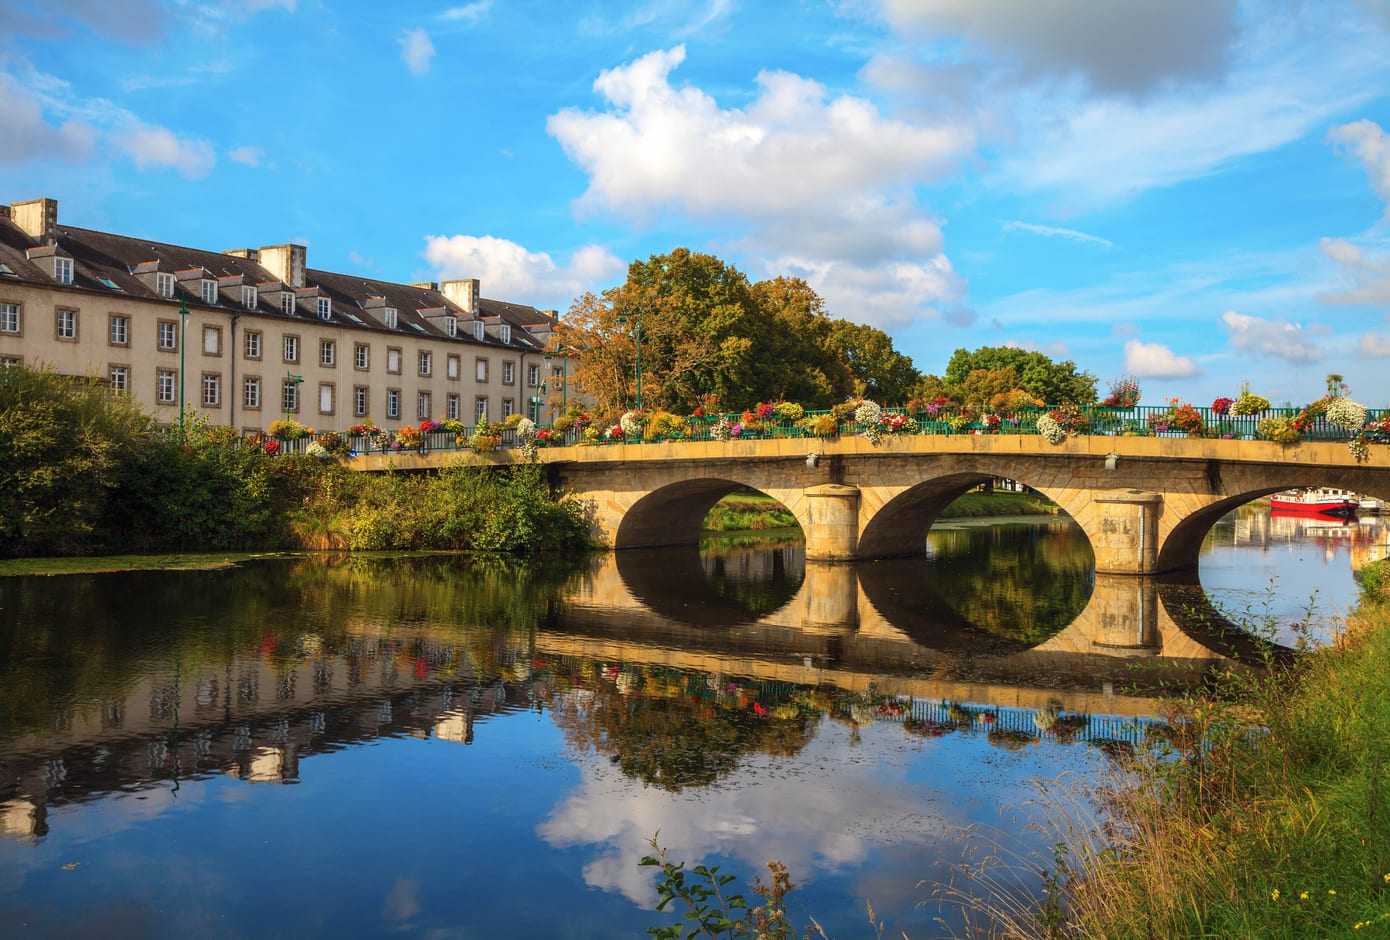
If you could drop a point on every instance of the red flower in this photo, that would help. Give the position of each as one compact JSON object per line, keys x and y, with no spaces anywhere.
{"x":272,"y":447}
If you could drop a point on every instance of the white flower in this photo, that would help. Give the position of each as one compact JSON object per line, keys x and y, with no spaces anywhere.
{"x":720,"y":430}
{"x":1050,"y":430}
{"x":525,"y":430}
{"x":1347,"y":414}
{"x":1358,"y":449}
{"x":868,"y":413}
{"x":315,"y":449}
{"x":631,"y":424}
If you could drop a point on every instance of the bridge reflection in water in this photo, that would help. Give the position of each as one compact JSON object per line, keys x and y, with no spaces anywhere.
{"x":812,"y":642}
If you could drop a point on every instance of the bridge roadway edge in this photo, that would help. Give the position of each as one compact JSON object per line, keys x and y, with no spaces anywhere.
{"x":1147,"y":515}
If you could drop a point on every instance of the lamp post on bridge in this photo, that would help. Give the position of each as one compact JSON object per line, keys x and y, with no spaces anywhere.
{"x":183,"y":344}
{"x":637,"y":335}
{"x":564,"y":381}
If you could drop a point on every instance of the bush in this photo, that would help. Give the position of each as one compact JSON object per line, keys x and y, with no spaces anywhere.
{"x":1279,"y":430}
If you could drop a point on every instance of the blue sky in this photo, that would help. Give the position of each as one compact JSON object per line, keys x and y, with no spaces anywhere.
{"x":1191,"y":191}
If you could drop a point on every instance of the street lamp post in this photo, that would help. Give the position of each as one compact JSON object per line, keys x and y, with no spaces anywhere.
{"x":183,"y":345}
{"x":637,"y":335}
{"x":564,"y":380}
{"x":294,"y":381}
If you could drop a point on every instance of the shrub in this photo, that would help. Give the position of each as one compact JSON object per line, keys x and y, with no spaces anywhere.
{"x":1279,"y":430}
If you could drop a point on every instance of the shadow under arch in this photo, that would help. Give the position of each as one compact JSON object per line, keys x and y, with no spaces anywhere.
{"x":899,"y":529}
{"x":676,"y":584}
{"x":673,"y":515}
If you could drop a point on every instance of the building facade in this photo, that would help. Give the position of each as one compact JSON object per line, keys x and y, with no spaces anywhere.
{"x":246,"y":336}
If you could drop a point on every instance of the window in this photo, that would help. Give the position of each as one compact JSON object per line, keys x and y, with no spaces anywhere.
{"x":533,"y":376}
{"x":422,"y":405}
{"x":62,"y":270}
{"x":451,"y":326}
{"x":164,"y":284}
{"x":506,"y":332}
{"x":164,"y":380}
{"x":326,"y":396}
{"x":359,"y":400}
{"x":291,"y":348}
{"x":212,"y":340}
{"x":9,"y":318}
{"x":7,"y":361}
{"x":451,"y":407}
{"x":451,"y":367}
{"x":508,"y":373}
{"x":508,"y":407}
{"x":426,"y":363}
{"x":328,"y":352}
{"x":119,"y":380}
{"x":209,"y":292}
{"x":120,"y":330}
{"x":253,"y":344}
{"x":480,"y":370}
{"x":479,"y":331}
{"x":66,"y":326}
{"x":361,"y":357}
{"x":251,"y":393}
{"x":212,"y":390}
{"x":388,"y":316}
{"x":168,"y":335}
{"x":325,"y":308}
{"x":287,"y":303}
{"x":393,"y":360}
{"x":289,"y":396}
{"x":393,"y":403}
{"x":248,"y":297}
{"x":480,"y":409}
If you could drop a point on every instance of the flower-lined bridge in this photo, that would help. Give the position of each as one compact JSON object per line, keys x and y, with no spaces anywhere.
{"x":1145,"y":503}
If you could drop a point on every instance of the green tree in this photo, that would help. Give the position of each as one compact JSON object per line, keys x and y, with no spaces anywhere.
{"x":1053,"y":382}
{"x":62,"y":440}
{"x":805,"y":362}
{"x":880,"y":372}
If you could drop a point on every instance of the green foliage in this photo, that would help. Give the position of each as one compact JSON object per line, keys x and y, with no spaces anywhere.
{"x":1053,"y":382}
{"x":879,"y":371}
{"x":1375,"y":579}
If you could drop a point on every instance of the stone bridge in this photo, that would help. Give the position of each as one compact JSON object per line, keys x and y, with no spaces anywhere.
{"x":1145,"y":503}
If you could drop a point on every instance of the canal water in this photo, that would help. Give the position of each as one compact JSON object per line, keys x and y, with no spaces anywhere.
{"x":354,"y":746}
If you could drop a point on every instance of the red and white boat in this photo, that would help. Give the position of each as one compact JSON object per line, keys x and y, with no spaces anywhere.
{"x":1320,"y":501}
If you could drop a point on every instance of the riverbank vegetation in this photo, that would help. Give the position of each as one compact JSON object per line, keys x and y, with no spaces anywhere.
{"x":745,"y":512}
{"x":87,"y":473}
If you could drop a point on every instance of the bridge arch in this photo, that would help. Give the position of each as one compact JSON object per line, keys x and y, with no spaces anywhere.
{"x":674,"y":513}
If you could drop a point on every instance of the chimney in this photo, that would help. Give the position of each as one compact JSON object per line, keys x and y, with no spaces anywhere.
{"x":37,"y":218}
{"x":286,"y":262}
{"x":427,"y":285}
{"x":465,"y":293}
{"x":250,"y":254}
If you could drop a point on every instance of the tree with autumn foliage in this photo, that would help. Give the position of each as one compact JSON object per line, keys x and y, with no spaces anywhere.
{"x":708,"y":334}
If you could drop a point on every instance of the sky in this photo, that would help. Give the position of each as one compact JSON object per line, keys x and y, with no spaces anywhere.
{"x":1191,"y":192}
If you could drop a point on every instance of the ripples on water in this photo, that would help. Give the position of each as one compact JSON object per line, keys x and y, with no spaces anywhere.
{"x":481,"y":749}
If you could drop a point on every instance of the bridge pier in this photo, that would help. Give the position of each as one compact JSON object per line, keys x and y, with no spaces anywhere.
{"x":833,"y":509}
{"x":1124,"y":534}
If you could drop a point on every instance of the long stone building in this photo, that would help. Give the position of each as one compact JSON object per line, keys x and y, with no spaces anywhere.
{"x":253,"y":334}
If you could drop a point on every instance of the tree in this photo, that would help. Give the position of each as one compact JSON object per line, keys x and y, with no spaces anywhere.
{"x":805,"y":363}
{"x":1053,"y":382}
{"x":880,"y":372}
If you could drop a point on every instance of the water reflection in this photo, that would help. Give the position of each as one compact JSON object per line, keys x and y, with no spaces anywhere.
{"x":839,"y":717}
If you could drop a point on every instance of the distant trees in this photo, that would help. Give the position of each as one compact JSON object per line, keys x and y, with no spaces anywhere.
{"x":708,"y":333}
{"x":1036,"y":374}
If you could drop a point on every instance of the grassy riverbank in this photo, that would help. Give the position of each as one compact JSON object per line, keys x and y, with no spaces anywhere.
{"x":743,"y":512}
{"x":1288,"y":838}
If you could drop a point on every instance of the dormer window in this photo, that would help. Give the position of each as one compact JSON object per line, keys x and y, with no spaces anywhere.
{"x":248,"y":297}
{"x":479,"y":331}
{"x":209,"y":292}
{"x":451,"y":326}
{"x":287,"y":303}
{"x":325,"y":308}
{"x":506,"y":332}
{"x":164,"y":284}
{"x":62,"y":270}
{"x":389,"y":317}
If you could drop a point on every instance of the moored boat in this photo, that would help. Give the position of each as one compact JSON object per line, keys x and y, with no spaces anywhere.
{"x":1320,"y":500}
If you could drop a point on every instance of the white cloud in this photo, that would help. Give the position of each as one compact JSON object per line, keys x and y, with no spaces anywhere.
{"x":508,"y":270}
{"x":1371,"y":146}
{"x":1369,"y":275}
{"x":821,"y":186}
{"x":25,"y":135}
{"x":1054,"y":232}
{"x":1131,"y":47}
{"x":1156,"y":361}
{"x":250,"y":156}
{"x":1374,"y":346}
{"x":128,"y":21}
{"x":469,"y":12}
{"x":150,"y":146}
{"x":1276,"y":338}
{"x":416,"y":50}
